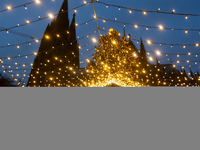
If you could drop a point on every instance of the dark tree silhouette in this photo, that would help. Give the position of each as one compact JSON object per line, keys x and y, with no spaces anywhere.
{"x":4,"y":81}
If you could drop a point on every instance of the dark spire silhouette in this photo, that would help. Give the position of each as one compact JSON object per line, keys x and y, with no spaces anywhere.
{"x":63,"y":17}
{"x":143,"y":52}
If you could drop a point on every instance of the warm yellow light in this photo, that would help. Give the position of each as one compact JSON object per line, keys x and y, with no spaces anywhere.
{"x":37,"y":1}
{"x":148,"y":41}
{"x":186,"y":31}
{"x":58,"y":35}
{"x":134,"y":54}
{"x":147,"y":28}
{"x":50,"y":15}
{"x":144,"y":12}
{"x":88,"y":60}
{"x":188,"y":61}
{"x":197,"y":44}
{"x":186,"y":17}
{"x":150,"y":58}
{"x":189,"y":53}
{"x":70,"y":68}
{"x":130,"y":11}
{"x":9,"y":7}
{"x":173,"y":10}
{"x":17,"y":46}
{"x":47,"y":37}
{"x":174,"y":66}
{"x":161,"y":27}
{"x":136,"y":26}
{"x":104,"y":20}
{"x":94,"y":40}
{"x":177,"y":55}
{"x":8,"y":58}
{"x":77,"y":24}
{"x":177,"y":61}
{"x":84,"y":2}
{"x":158,"y":53}
{"x":37,"y":40}
{"x":27,"y":21}
{"x":56,"y":58}
{"x":114,"y":42}
{"x":111,"y":29}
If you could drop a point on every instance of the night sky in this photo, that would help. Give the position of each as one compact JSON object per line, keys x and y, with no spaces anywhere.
{"x":20,"y":15}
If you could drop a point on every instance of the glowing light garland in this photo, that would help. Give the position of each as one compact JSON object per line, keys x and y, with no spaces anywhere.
{"x":158,"y":11}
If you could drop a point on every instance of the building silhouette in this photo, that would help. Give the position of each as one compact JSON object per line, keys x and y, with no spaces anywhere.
{"x":57,"y":61}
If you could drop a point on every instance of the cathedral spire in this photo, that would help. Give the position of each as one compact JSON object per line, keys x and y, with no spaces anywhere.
{"x":64,"y":6}
{"x":63,"y":17}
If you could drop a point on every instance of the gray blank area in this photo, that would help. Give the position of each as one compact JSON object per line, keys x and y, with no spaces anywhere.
{"x":100,"y":119}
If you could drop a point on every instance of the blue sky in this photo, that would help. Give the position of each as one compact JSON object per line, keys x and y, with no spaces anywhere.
{"x":19,"y":15}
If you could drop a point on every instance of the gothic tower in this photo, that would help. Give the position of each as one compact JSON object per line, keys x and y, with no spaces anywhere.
{"x":58,"y":53}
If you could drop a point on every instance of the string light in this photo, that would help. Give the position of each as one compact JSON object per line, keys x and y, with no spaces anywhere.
{"x":158,"y":53}
{"x":148,"y":41}
{"x":50,"y":15}
{"x":37,"y":1}
{"x":186,"y":17}
{"x":27,"y":21}
{"x":161,"y":27}
{"x":94,"y":40}
{"x":9,"y":7}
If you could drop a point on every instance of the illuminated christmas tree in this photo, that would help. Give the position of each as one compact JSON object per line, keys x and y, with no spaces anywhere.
{"x":115,"y":61}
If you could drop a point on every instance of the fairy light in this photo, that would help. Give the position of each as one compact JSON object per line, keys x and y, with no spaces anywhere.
{"x":150,"y":58}
{"x":189,"y":53}
{"x":173,"y":11}
{"x":197,"y":44}
{"x":184,"y":46}
{"x":94,"y":40}
{"x":17,"y":46}
{"x":47,"y":37}
{"x":84,"y":2}
{"x":136,"y":26}
{"x":114,"y":42}
{"x":148,"y":41}
{"x":35,"y":53}
{"x":158,"y":53}
{"x":130,"y":11}
{"x":160,"y":27}
{"x":50,"y":15}
{"x":144,"y":12}
{"x":37,"y":1}
{"x":158,"y":9}
{"x":37,"y":40}
{"x":186,"y":17}
{"x":27,"y":21}
{"x":186,"y":31}
{"x":9,"y":7}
